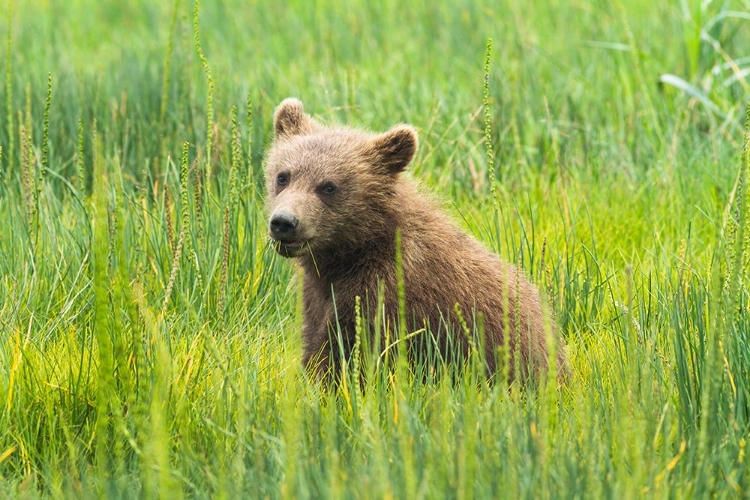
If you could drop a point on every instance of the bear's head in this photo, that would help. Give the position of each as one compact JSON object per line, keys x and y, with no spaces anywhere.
{"x":330,"y":189}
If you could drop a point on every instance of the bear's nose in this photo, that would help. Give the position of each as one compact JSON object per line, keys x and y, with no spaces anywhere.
{"x":284,"y":225}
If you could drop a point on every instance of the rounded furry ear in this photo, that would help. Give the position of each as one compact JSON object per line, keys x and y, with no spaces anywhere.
{"x":394,"y":150}
{"x":290,"y":119}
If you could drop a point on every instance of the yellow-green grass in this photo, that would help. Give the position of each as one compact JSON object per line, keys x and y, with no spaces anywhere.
{"x":150,"y":338}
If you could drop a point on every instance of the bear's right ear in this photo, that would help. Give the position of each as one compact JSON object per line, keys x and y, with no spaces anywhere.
{"x":395,"y":149}
{"x":290,"y":119}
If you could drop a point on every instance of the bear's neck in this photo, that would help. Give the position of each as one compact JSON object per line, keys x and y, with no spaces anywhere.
{"x":339,"y":263}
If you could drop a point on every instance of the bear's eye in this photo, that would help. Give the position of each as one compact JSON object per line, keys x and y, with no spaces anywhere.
{"x":282,"y":179}
{"x":328,"y":188}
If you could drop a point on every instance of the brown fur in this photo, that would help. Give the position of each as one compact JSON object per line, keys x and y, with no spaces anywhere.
{"x":345,"y":244}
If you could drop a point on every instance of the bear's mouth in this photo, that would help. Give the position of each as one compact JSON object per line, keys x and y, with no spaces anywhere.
{"x":289,"y":248}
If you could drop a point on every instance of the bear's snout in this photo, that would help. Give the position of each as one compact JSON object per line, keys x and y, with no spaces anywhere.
{"x":283,"y":226}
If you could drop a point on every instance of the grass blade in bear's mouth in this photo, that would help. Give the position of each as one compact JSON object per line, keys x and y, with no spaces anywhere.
{"x":289,"y":244}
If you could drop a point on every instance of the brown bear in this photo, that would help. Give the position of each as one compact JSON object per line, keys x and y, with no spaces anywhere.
{"x":336,"y":199}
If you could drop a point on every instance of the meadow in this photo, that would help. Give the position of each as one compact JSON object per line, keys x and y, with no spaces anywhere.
{"x":150,"y":337}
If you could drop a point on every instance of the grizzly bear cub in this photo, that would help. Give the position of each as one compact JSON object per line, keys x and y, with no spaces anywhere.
{"x":336,"y":199}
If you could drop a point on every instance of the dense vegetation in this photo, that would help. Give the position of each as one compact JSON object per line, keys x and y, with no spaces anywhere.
{"x":149,"y":337}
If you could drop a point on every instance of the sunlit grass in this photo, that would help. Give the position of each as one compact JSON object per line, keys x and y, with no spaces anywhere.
{"x":150,"y":338}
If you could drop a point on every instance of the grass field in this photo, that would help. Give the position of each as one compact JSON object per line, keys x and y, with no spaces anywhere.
{"x":150,"y":339}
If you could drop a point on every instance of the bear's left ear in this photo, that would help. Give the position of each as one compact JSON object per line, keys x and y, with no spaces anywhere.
{"x":290,"y":119}
{"x":393,"y":150}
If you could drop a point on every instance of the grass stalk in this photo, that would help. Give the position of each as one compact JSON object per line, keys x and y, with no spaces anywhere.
{"x":168,"y":219}
{"x":9,"y":94}
{"x":79,"y":160}
{"x":249,"y":152}
{"x":236,"y":164}
{"x":27,"y":175}
{"x":45,"y":136}
{"x":100,"y":246}
{"x":210,"y":95}
{"x":199,"y":188}
{"x":221,"y":301}
{"x":489,"y":150}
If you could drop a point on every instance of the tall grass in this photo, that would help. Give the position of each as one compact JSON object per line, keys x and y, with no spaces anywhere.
{"x":150,"y":338}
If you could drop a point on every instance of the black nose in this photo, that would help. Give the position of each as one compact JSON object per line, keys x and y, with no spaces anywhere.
{"x":284,"y":225}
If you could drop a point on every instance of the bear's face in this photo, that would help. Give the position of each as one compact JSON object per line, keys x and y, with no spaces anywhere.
{"x":328,"y":188}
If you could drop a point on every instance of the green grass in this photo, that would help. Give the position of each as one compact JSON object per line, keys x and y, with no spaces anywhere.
{"x":149,"y":338}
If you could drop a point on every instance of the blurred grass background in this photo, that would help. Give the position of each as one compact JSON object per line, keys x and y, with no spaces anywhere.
{"x":149,"y":339}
